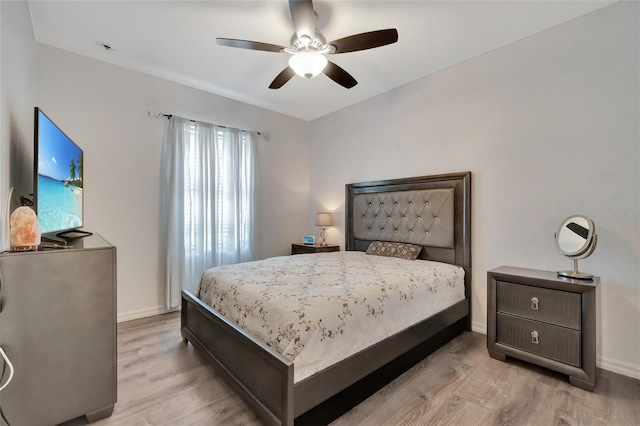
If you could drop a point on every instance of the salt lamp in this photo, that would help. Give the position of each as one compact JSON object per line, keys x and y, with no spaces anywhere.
{"x":25,"y":229}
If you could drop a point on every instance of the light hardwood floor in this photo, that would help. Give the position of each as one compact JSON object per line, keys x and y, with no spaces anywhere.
{"x":162,"y":381}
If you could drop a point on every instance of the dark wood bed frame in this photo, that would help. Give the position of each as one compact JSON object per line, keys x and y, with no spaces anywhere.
{"x":264,"y":378}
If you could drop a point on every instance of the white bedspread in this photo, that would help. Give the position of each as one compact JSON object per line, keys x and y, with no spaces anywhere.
{"x":317,"y":309}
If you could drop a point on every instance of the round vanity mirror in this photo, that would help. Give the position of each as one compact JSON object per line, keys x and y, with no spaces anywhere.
{"x":576,"y":238}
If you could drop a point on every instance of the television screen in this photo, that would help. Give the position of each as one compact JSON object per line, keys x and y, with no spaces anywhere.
{"x":58,"y":177}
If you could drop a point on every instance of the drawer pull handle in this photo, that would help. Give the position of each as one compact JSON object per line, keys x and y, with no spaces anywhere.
{"x":534,"y":337}
{"x":534,"y":303}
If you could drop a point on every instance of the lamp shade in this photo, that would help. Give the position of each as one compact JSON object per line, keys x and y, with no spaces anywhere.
{"x":324,"y":219}
{"x":308,"y":64}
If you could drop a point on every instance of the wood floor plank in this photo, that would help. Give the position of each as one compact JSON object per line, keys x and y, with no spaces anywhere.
{"x":164,"y":382}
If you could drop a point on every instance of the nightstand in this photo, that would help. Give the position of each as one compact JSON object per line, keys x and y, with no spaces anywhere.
{"x":543,"y":319}
{"x":312,"y":248}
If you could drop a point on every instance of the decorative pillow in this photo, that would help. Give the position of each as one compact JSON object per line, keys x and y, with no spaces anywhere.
{"x":389,"y":249}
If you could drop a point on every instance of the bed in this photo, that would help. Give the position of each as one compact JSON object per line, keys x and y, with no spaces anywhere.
{"x":433,"y":212}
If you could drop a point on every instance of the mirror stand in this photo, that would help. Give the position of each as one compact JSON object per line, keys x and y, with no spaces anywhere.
{"x":576,"y":238}
{"x":574,"y":273}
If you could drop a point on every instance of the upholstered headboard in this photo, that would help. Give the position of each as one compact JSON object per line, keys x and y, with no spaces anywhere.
{"x":417,"y":216}
{"x":431,"y":211}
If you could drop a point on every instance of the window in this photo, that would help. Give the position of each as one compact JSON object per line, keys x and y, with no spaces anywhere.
{"x":223,"y":215}
{"x":210,"y":182}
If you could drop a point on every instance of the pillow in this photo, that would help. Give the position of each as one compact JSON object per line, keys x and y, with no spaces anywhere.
{"x":389,"y":249}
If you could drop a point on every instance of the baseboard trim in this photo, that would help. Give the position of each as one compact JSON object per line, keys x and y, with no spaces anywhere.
{"x":619,"y":367}
{"x":144,"y":313}
{"x":479,"y":327}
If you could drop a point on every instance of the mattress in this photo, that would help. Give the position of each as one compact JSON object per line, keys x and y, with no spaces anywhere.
{"x":318,"y":309}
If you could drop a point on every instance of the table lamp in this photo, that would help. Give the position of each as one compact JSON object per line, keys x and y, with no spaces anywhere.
{"x":324,"y":220}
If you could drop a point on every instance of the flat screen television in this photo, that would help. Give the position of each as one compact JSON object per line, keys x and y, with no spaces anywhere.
{"x":58,"y":178}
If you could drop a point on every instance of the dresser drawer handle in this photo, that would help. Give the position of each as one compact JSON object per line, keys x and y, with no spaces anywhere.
{"x":534,"y":303}
{"x":534,"y":337}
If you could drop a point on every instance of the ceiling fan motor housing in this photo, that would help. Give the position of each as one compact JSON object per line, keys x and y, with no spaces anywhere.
{"x":318,"y":43}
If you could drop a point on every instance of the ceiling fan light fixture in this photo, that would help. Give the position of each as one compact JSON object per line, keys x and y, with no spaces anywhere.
{"x":308,"y":64}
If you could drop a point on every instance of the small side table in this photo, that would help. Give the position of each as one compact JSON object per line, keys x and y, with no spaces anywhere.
{"x":543,"y":319}
{"x":312,"y":248}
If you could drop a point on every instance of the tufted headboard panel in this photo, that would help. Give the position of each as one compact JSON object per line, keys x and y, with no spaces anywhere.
{"x":424,"y":217}
{"x":431,"y":211}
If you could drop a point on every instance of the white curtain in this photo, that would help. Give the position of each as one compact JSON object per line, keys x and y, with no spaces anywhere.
{"x":208,"y":200}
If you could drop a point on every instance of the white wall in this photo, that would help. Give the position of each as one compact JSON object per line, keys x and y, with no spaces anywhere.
{"x":17,"y":94}
{"x":105,"y":109}
{"x":549,"y":127}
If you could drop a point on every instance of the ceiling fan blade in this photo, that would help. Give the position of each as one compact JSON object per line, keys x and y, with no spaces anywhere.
{"x":247,"y":44}
{"x":282,"y":78}
{"x":304,"y":18}
{"x":339,"y":75}
{"x":365,"y":41}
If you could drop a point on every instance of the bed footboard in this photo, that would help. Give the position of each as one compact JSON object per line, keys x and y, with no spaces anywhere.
{"x":260,"y":375}
{"x":315,"y":389}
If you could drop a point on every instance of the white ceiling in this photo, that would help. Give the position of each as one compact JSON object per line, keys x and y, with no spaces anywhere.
{"x":175,"y":40}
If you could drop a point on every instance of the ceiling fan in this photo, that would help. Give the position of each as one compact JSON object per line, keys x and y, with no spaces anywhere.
{"x":308,"y":47}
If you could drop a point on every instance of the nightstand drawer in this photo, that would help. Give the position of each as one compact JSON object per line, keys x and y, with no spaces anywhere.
{"x":315,"y":248}
{"x":551,"y":306}
{"x":301,"y":249}
{"x":558,"y":343}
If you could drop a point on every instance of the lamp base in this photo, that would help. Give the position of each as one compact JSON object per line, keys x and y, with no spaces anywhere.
{"x":323,"y":235}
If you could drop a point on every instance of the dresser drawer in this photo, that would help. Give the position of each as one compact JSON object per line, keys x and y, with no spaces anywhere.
{"x":558,"y":343}
{"x":553,"y":306}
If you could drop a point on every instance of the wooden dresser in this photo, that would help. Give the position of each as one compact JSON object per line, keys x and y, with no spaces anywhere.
{"x":544,"y":319}
{"x":58,"y":327}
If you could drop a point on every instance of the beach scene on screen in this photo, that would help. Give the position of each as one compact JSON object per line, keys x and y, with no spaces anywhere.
{"x":60,"y":179}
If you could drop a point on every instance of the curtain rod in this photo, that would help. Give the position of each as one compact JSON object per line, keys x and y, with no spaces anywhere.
{"x":168,"y":116}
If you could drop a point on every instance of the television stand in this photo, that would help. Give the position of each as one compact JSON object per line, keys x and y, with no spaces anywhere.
{"x":73,"y":234}
{"x":63,"y":238}
{"x":58,"y":325}
{"x":53,"y":239}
